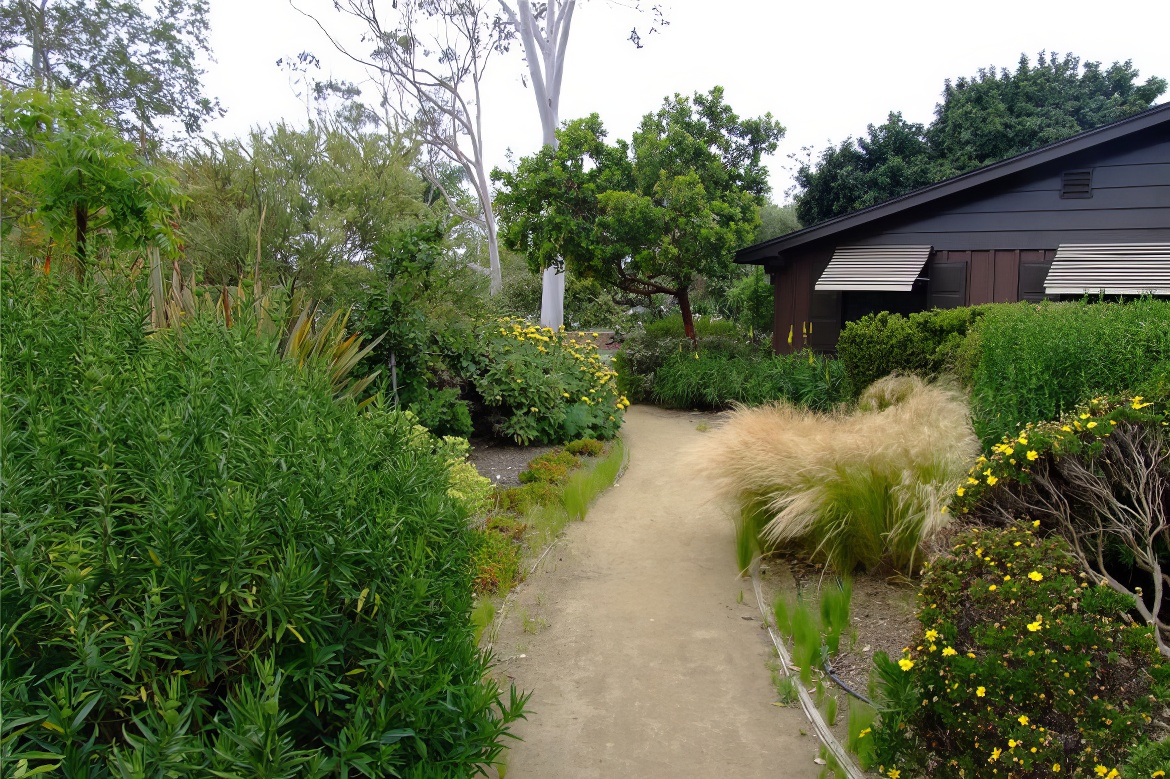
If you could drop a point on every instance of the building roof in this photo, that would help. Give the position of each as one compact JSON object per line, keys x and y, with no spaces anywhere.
{"x":1089,"y":139}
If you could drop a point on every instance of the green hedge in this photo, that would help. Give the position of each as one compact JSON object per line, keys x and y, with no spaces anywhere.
{"x":925,"y":343}
{"x":716,"y":380}
{"x":213,"y":567}
{"x":1031,"y":363}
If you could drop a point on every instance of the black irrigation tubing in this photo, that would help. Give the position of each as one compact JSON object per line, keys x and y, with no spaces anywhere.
{"x":828,"y":668}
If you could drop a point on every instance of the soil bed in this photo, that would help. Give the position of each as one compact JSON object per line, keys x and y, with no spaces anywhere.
{"x":502,"y":461}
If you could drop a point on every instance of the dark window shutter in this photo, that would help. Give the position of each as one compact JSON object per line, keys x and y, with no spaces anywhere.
{"x":948,"y":285}
{"x":1076,"y":183}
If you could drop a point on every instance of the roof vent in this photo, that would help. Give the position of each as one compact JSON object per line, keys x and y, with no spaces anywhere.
{"x":1076,"y":184}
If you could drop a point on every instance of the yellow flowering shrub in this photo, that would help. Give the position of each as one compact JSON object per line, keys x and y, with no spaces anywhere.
{"x":547,"y":387}
{"x":1015,"y":673}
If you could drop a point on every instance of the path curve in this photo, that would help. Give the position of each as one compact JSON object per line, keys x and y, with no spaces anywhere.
{"x":642,"y":661}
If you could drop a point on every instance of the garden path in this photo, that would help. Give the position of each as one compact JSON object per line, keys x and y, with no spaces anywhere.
{"x":642,"y":660}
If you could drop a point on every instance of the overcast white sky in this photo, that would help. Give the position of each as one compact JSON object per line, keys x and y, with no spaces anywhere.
{"x":824,"y":69}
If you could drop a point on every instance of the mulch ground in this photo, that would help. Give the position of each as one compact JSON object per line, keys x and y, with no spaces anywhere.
{"x":502,"y":461}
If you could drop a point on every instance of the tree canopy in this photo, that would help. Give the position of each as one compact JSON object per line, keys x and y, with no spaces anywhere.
{"x":983,"y":119}
{"x":648,"y":216}
{"x":140,"y":65}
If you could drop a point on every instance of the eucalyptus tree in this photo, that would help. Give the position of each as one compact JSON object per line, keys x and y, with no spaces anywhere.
{"x":543,"y":28}
{"x":430,"y":56}
{"x":142,"y":66}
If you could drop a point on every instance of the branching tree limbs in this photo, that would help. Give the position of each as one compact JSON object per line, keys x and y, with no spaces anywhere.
{"x":648,"y":217}
{"x":431,"y":56}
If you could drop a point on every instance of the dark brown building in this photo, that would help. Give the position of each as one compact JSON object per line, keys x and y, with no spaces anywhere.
{"x":1088,"y":214}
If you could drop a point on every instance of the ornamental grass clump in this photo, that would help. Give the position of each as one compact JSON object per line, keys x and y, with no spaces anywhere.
{"x":547,"y":387}
{"x":211,"y":566}
{"x":1025,"y":668}
{"x":857,"y":488}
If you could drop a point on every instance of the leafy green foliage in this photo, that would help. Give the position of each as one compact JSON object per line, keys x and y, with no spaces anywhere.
{"x":546,"y":387}
{"x":585,"y":484}
{"x":714,"y":380}
{"x":213,"y":566}
{"x":815,"y":626}
{"x":442,"y":411}
{"x":143,"y":67}
{"x":925,"y":344}
{"x":1022,"y":667}
{"x":649,"y":216}
{"x":66,"y":165}
{"x":527,"y":497}
{"x":750,"y":301}
{"x":646,"y":349}
{"x":984,"y":119}
{"x":1031,"y":363}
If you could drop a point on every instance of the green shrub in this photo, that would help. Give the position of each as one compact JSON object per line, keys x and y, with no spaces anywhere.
{"x":552,"y":467}
{"x":1031,"y":362}
{"x":213,"y":567}
{"x":713,"y":380}
{"x":751,"y":300}
{"x":1023,"y":666}
{"x":1096,"y":477}
{"x":672,"y":327}
{"x":586,"y":447}
{"x":547,"y":387}
{"x":442,"y":412}
{"x":925,"y":344}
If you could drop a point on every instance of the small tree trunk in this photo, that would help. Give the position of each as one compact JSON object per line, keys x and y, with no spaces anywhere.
{"x":684,"y":303}
{"x":81,"y":217}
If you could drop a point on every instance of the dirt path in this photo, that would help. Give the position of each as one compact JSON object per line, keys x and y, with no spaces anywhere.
{"x":641,"y":660}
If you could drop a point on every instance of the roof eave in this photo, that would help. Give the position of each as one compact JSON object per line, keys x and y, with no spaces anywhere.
{"x":772,"y":249}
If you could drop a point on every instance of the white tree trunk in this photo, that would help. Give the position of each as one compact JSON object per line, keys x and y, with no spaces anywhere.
{"x":545,"y":52}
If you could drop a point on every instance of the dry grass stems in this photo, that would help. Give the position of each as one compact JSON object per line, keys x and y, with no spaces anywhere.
{"x":858,"y":488}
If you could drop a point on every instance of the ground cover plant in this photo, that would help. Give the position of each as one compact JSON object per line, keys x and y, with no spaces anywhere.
{"x":1100,"y":478}
{"x":858,"y":488}
{"x":213,"y":566}
{"x":545,"y":386}
{"x":715,"y":380}
{"x":1033,"y":362}
{"x":1025,"y":668}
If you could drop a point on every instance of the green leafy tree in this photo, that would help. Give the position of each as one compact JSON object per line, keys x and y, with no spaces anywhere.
{"x":71,"y":177}
{"x":138,"y":64}
{"x":646,"y":217}
{"x":776,"y":221}
{"x":992,"y":116}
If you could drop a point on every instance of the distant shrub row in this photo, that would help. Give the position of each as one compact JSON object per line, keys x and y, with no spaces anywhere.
{"x":1022,"y":362}
{"x":716,"y":380}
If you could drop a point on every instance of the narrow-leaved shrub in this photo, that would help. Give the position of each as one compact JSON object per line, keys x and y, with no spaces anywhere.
{"x":212,"y":567}
{"x":714,"y":380}
{"x":1032,"y":362}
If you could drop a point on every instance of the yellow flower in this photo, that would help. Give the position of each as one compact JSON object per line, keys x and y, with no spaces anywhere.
{"x":1091,"y":425}
{"x":972,"y":481}
{"x":960,"y":491}
{"x":995,"y":753}
{"x":931,"y":635}
{"x":1036,"y":523}
{"x":906,"y":664}
{"x":1056,"y":768}
{"x":1023,"y":719}
{"x":947,"y":652}
{"x":1035,"y":576}
{"x":894,"y":773}
{"x":1157,"y":774}
{"x":1034,"y":626}
{"x":1084,"y":416}
{"x":980,"y":692}
{"x":991,"y":588}
{"x":1012,"y":743}
{"x":534,"y":410}
{"x":565,"y":394}
{"x":1066,"y":429}
{"x":863,"y":733}
{"x":991,"y":480}
{"x":1033,"y":454}
{"x":1101,"y":770}
{"x":1023,"y":440}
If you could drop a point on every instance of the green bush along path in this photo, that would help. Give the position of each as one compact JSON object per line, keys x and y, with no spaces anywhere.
{"x":640,"y":660}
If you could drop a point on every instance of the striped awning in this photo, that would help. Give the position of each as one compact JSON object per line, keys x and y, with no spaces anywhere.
{"x":879,"y":268}
{"x":1114,"y":269}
